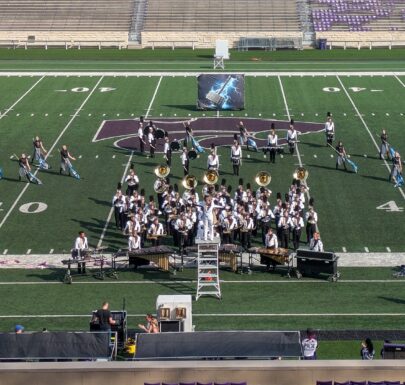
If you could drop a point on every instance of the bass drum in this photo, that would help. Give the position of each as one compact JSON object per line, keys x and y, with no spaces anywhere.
{"x":175,"y":145}
{"x":192,"y":154}
{"x":160,"y":134}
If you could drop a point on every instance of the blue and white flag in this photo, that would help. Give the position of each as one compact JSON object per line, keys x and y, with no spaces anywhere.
{"x":251,"y":143}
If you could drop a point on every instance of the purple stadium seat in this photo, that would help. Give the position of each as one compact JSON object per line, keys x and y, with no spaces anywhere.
{"x":342,"y":383}
{"x":324,"y":383}
{"x":202,"y":383}
{"x":392,"y":382}
{"x":187,"y":383}
{"x":151,"y":383}
{"x":222,"y":383}
{"x":358,"y":382}
{"x":238,"y":383}
{"x":376,"y":383}
{"x":168,"y":383}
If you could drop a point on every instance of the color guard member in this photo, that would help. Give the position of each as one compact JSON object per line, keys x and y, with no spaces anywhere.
{"x":396,"y":170}
{"x":384,"y":147}
{"x":141,"y":137}
{"x":65,"y":158}
{"x":167,"y":152}
{"x":39,"y":150}
{"x":341,"y":158}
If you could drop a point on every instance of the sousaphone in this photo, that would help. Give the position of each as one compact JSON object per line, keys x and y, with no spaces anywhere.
{"x":301,"y":174}
{"x":189,"y":182}
{"x":211,"y":177}
{"x":263,"y":178}
{"x":162,"y":171}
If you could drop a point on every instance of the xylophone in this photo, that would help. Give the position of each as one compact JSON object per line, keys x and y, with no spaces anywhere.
{"x":272,"y":257}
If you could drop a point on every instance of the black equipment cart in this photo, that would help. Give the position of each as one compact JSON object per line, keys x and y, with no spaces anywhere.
{"x":314,"y":263}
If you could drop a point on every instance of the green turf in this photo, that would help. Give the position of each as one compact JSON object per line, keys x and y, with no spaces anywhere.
{"x":200,"y":60}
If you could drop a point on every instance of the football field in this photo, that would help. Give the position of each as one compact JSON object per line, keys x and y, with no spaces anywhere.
{"x":357,"y":212}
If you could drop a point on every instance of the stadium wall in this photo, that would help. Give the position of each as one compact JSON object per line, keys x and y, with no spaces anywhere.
{"x":76,"y":36}
{"x":206,"y":39}
{"x":270,"y":372}
{"x":394,"y":37}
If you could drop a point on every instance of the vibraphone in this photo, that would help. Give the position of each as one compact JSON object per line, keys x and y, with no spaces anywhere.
{"x":272,"y":257}
{"x":88,"y":256}
{"x":159,"y":255}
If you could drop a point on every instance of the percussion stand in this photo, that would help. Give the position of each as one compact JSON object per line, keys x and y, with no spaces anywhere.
{"x":68,"y":275}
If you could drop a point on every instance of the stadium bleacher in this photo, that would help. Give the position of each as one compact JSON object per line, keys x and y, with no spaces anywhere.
{"x":364,"y":16}
{"x":62,"y":15}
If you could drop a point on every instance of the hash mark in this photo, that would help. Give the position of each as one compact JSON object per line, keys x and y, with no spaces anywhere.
{"x":344,"y":249}
{"x":388,"y":249}
{"x":5,"y":251}
{"x":366,"y":250}
{"x":28,"y":251}
{"x":51,"y":251}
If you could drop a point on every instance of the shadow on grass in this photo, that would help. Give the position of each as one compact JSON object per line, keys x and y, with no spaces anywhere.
{"x":394,"y":300}
{"x":376,"y":178}
{"x":55,"y":274}
{"x":315,"y":145}
{"x":100,"y":202}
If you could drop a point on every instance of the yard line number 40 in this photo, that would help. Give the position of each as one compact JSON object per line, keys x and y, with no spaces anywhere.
{"x":390,"y":207}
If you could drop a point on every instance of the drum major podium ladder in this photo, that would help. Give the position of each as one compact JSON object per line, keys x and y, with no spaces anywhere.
{"x":208,"y":268}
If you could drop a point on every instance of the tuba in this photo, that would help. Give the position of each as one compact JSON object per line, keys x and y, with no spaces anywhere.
{"x":160,"y":186}
{"x":189,"y":182}
{"x":301,"y":174}
{"x":211,"y":177}
{"x":263,"y":178}
{"x":162,"y":171}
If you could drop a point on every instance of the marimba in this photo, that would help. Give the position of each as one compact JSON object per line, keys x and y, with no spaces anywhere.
{"x":272,"y":257}
{"x":159,"y":255}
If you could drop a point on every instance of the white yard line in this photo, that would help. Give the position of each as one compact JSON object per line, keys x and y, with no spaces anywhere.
{"x":21,"y":97}
{"x":222,"y":315}
{"x":367,"y":129}
{"x":195,"y":73}
{"x":402,"y":83}
{"x":50,"y":150}
{"x":290,"y":282}
{"x":127,"y":166}
{"x":289,"y":118}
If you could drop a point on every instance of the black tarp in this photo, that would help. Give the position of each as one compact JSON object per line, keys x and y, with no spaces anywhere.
{"x":226,"y":344}
{"x":55,"y":345}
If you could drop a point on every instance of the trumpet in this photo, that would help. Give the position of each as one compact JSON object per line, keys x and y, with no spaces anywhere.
{"x":263,"y":178}
{"x":301,"y":174}
{"x":189,"y":182}
{"x":162,"y":171}
{"x":210,"y":177}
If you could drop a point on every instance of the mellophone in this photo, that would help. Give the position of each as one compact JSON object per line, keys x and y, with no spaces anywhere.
{"x":272,"y":257}
{"x":157,"y":254}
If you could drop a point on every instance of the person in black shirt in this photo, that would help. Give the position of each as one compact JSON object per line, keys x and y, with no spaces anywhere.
{"x":104,"y":318}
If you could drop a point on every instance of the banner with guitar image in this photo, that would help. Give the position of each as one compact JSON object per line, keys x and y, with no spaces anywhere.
{"x":221,"y":92}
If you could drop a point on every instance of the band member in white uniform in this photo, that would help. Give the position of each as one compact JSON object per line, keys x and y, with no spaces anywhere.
{"x":329,"y":130}
{"x":236,"y":157}
{"x":213,"y":161}
{"x":384,"y":147}
{"x":297,"y":224}
{"x":141,"y":138}
{"x":118,"y":202}
{"x":185,"y":161}
{"x":316,"y":243}
{"x":155,"y":232}
{"x":134,"y":241}
{"x":132,"y":182}
{"x":152,"y":142}
{"x":312,"y":221}
{"x":272,"y":143}
{"x":207,"y":217}
{"x":65,"y":158}
{"x":271,"y":242}
{"x":292,"y":137}
{"x":39,"y":150}
{"x":79,"y":250}
{"x":167,"y":152}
